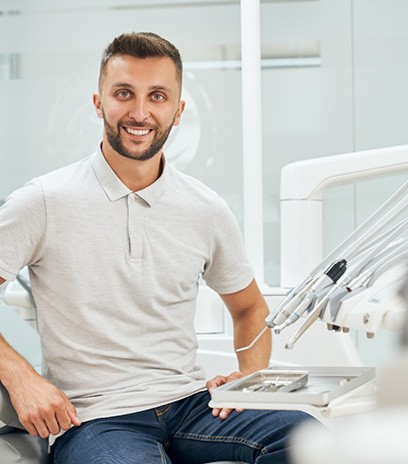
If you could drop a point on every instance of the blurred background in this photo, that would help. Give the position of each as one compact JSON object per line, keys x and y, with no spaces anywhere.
{"x":334,"y":76}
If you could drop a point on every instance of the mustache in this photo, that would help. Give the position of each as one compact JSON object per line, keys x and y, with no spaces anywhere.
{"x":136,"y":124}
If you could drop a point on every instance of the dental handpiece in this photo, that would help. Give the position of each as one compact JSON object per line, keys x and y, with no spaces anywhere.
{"x":329,"y":277}
{"x":279,"y":311}
{"x":290,"y":305}
{"x":293,"y":300}
{"x":380,"y":218}
{"x":314,"y":314}
{"x":299,"y":310}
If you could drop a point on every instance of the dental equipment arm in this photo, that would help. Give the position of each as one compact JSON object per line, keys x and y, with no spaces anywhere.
{"x":380,"y":235}
{"x":303,"y":185}
{"x":382,"y":217}
{"x":382,"y":222}
{"x":367,"y":241}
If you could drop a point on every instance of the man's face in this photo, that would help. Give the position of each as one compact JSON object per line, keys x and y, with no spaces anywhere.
{"x":139,"y":101}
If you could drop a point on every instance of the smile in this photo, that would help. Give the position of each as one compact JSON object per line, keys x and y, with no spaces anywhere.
{"x":137,"y":131}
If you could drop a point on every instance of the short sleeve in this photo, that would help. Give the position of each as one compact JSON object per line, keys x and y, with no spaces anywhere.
{"x":22,"y":229}
{"x":228,"y":270}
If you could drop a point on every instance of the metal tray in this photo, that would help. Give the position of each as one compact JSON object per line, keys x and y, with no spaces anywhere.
{"x":324,"y":384}
{"x":273,"y":380}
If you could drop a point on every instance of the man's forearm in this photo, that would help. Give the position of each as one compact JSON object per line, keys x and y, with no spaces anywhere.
{"x":249,"y":310}
{"x":12,"y":364}
{"x":42,"y":408}
{"x":245,"y":330}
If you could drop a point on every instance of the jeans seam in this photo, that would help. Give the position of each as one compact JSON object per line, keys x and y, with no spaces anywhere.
{"x":162,"y":453}
{"x":221,"y":439}
{"x":163,"y":429}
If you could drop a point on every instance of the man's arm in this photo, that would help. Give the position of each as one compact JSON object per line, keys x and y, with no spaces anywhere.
{"x":42,"y":408}
{"x":248,"y":309}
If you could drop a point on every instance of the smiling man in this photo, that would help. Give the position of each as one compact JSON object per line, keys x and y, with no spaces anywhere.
{"x":116,"y":245}
{"x":139,"y":101}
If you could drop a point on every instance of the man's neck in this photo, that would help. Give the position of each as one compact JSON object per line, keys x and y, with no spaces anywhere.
{"x":135,"y":174}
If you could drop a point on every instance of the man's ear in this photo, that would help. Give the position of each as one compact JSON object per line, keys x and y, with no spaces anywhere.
{"x":179,"y":112}
{"x":97,"y":104}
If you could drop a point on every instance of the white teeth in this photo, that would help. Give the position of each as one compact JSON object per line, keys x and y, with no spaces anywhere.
{"x":137,"y":132}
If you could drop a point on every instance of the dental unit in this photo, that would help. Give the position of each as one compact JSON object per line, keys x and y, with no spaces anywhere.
{"x":376,"y":246}
{"x":355,"y":287}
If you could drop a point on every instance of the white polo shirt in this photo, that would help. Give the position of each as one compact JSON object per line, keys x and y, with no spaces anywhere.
{"x":115,"y":276}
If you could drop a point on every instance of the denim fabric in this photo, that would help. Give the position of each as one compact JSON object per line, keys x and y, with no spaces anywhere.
{"x":184,"y":432}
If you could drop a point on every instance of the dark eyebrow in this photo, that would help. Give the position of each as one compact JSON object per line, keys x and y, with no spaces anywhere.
{"x":125,"y":85}
{"x":160,"y":87}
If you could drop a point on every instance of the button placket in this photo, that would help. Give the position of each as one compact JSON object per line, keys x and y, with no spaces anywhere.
{"x":135,"y":227}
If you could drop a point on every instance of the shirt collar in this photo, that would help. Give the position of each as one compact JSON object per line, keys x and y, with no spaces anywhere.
{"x":152,"y":193}
{"x":116,"y":189}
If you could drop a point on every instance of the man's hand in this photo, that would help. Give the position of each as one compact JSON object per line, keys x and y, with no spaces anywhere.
{"x":41,"y":407}
{"x":217,"y":382}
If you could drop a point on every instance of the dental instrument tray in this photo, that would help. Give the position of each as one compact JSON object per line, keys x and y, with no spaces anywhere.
{"x":316,"y":386}
{"x":271,"y":380}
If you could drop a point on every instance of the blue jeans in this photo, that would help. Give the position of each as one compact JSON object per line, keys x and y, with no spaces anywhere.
{"x":183,"y":432}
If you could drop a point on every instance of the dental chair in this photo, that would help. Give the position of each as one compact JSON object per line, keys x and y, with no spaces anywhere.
{"x":19,"y":328}
{"x":16,"y":445}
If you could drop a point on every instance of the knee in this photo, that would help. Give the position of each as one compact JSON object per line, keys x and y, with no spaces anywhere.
{"x":285,"y":422}
{"x":76,"y":445}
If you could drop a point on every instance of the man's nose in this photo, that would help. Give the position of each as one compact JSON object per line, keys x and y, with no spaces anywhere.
{"x":140,"y":110}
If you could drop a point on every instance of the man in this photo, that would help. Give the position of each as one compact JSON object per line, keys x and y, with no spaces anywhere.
{"x":116,"y":244}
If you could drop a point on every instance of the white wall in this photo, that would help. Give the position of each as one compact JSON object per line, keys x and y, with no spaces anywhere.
{"x":343,"y":90}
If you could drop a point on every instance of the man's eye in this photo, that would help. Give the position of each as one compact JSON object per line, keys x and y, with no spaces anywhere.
{"x":123,"y":94}
{"x":157,"y":97}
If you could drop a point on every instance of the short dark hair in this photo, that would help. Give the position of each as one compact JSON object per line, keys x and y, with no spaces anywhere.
{"x":141,"y":45}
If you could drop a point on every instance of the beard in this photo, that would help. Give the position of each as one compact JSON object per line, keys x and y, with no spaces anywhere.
{"x":115,"y":140}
